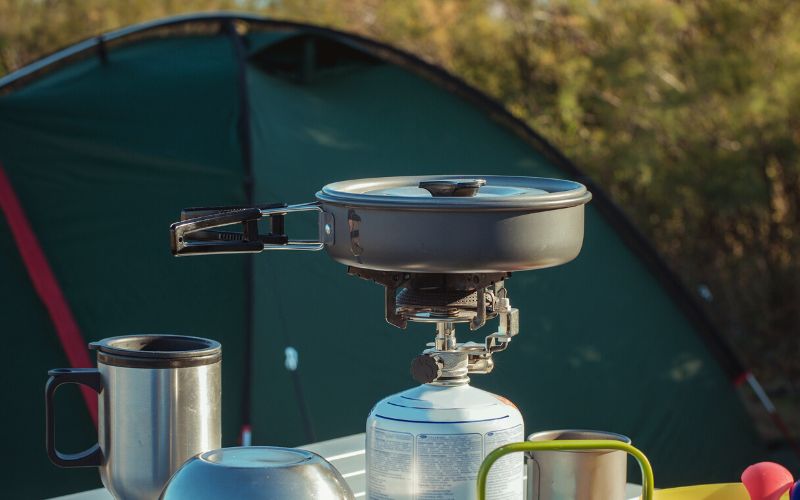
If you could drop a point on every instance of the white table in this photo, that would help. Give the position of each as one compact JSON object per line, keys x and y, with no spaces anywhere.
{"x":345,"y":453}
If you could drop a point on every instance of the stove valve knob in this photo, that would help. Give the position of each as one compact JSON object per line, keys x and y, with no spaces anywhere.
{"x":425,"y":368}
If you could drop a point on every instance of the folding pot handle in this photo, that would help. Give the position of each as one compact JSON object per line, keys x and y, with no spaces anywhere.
{"x":92,"y":457}
{"x":196,"y":234}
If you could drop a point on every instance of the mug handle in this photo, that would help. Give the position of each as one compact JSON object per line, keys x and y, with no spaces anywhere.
{"x":567,"y":445}
{"x":92,"y":457}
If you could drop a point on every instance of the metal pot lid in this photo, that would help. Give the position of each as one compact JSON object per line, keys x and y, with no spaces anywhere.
{"x":457,"y":192}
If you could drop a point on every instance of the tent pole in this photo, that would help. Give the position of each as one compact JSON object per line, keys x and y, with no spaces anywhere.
{"x":46,"y":285}
{"x":228,"y":27}
{"x":243,"y":129}
{"x":766,"y":402}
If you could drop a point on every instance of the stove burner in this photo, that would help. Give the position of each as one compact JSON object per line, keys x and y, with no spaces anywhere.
{"x":434,"y":305}
{"x":433,"y":297}
{"x":437,"y":298}
{"x":447,"y":299}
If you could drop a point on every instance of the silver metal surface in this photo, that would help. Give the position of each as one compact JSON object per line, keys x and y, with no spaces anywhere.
{"x":496,"y":192}
{"x":459,"y":359}
{"x":309,"y":245}
{"x":445,"y":336}
{"x":328,"y":236}
{"x":584,"y":475}
{"x":151,"y":420}
{"x":258,"y":473}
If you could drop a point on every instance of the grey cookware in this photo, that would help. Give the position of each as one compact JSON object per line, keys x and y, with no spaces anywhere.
{"x":422,"y":224}
{"x":159,"y":404}
{"x":257,"y":473}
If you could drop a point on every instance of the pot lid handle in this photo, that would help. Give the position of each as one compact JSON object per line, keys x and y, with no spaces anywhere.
{"x":453,"y":187}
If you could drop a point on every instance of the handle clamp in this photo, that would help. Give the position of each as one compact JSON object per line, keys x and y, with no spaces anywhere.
{"x":196,"y":234}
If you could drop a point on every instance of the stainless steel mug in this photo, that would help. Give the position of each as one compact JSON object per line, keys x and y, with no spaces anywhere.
{"x":577,"y":475}
{"x":159,"y":404}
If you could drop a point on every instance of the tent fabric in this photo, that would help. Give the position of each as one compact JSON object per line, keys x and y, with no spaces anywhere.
{"x":103,"y":152}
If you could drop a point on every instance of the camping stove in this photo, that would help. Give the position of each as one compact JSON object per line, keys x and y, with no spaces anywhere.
{"x":442,"y":247}
{"x":431,"y":439}
{"x":446,"y":300}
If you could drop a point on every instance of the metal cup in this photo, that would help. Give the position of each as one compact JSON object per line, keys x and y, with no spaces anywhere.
{"x":159,"y":404}
{"x":577,"y":475}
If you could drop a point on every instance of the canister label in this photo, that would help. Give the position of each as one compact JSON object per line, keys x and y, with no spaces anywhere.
{"x":505,"y":478}
{"x":391,"y":461}
{"x":433,"y":466}
{"x":446,"y":465}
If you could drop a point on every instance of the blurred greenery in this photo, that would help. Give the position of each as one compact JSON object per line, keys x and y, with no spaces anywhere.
{"x":686,"y":112}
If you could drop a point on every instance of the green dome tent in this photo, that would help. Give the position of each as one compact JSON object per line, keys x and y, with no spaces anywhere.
{"x":104,"y":142}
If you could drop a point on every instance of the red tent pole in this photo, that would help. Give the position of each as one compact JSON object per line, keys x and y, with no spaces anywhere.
{"x":46,"y":286}
{"x":766,"y":402}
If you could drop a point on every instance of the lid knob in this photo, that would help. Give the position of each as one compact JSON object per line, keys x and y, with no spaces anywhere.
{"x":453,"y":187}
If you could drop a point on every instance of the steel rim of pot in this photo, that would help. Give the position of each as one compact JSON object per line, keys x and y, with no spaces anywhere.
{"x":559,"y":193}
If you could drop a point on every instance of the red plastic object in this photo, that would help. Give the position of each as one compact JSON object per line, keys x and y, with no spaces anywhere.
{"x":767,"y":481}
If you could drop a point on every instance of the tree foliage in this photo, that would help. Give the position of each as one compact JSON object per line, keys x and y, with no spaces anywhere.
{"x":687,"y":113}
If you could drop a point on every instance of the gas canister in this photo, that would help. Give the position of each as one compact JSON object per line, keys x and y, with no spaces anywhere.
{"x":427,"y":443}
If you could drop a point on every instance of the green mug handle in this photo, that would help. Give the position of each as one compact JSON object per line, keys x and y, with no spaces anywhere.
{"x":568,"y":445}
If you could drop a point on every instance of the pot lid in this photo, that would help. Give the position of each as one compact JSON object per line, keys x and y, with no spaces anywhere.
{"x":457,"y":192}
